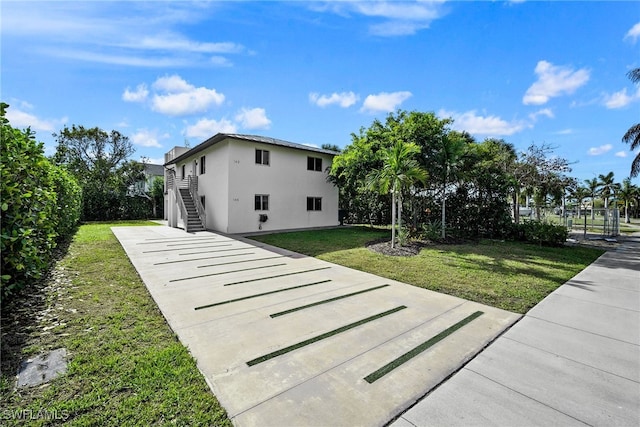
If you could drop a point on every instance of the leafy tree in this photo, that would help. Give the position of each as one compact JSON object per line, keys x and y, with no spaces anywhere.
{"x":632,"y":136}
{"x":539,"y":170}
{"x":331,"y":147}
{"x":486,"y":183}
{"x":400,"y":170}
{"x":99,"y":161}
{"x":349,"y":172}
{"x":157,"y":195}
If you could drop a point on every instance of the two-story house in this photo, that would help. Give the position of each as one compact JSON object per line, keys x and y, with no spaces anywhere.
{"x":246,"y":183}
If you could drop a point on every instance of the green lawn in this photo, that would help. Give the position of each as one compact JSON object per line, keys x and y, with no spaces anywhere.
{"x":510,"y":275}
{"x":126,"y":365}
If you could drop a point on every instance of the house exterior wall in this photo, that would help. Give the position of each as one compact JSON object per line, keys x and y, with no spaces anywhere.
{"x":214,"y":186}
{"x":287,"y":182}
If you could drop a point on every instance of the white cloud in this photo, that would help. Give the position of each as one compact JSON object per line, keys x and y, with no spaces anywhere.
{"x":596,"y":151}
{"x":399,"y":17}
{"x":181,"y":98}
{"x":118,"y":59}
{"x":554,"y":80}
{"x":384,"y":101}
{"x":564,"y":132}
{"x":147,"y":138}
{"x":547,"y":112}
{"x":146,"y":35}
{"x":343,"y":99}
{"x":255,"y":118}
{"x":402,"y":18}
{"x":482,"y":125}
{"x":204,"y":128}
{"x":220,"y":61}
{"x":139,"y":95}
{"x":177,"y":42}
{"x":173,"y":83}
{"x":620,"y":99}
{"x":633,"y":33}
{"x":21,"y":119}
{"x":621,"y":154}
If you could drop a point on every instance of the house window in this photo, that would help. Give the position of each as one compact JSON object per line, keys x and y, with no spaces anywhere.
{"x":314,"y":203}
{"x":262,"y":202}
{"x":182,"y":174}
{"x":203,"y":166}
{"x":262,"y":157}
{"x":314,"y":164}
{"x":202,"y":200}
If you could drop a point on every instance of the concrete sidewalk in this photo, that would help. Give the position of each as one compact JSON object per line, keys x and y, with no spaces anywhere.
{"x":288,"y":340}
{"x":574,"y":359}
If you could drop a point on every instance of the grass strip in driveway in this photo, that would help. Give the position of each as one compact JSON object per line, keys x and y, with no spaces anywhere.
{"x":323,"y":336}
{"x":376,"y":375}
{"x":275,"y":276}
{"x":260,"y":295}
{"x":240,"y":262}
{"x":227,"y":272}
{"x":165,"y":240}
{"x":293,"y":310}
{"x":221,"y":250}
{"x":202,"y":259}
{"x":173,"y":250}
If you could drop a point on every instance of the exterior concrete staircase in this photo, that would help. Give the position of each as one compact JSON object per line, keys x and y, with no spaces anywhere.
{"x":192,"y":222}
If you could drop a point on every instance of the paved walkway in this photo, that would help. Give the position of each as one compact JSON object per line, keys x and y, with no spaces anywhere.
{"x":288,"y":340}
{"x":574,"y":359}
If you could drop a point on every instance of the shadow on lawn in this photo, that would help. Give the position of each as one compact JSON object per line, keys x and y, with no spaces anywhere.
{"x":540,"y":262}
{"x":23,"y":314}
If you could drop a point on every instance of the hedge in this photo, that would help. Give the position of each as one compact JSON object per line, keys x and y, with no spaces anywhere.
{"x":40,"y":205}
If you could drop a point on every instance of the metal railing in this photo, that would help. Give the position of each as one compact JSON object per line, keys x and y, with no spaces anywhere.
{"x":193,"y":190}
{"x":176,"y":192}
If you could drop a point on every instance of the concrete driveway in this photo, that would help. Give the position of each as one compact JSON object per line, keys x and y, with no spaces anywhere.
{"x":288,"y":340}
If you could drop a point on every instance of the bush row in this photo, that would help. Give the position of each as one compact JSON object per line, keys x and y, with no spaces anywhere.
{"x":40,"y":205}
{"x":540,"y":232}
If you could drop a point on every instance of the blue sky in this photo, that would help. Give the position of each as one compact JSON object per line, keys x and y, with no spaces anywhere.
{"x":164,"y":72}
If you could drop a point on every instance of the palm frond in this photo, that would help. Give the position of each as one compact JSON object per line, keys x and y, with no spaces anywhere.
{"x":634,"y":75}
{"x":632,"y":136}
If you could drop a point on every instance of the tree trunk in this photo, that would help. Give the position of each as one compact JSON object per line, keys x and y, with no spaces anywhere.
{"x":393,"y":219}
{"x":443,"y":233}
{"x":516,"y":207}
{"x":399,"y":218}
{"x":627,"y":220}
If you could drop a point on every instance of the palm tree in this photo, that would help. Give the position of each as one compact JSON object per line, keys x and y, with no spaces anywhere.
{"x":592,"y":187}
{"x":399,"y":171}
{"x":632,"y":136}
{"x":579,"y":194}
{"x":607,"y":187}
{"x":628,"y":194}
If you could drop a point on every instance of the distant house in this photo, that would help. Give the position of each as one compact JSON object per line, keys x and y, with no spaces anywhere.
{"x":245,"y":183}
{"x":142,"y":187}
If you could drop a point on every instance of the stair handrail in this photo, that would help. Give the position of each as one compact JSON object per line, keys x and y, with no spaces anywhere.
{"x":193,"y":190}
{"x":181,"y":206}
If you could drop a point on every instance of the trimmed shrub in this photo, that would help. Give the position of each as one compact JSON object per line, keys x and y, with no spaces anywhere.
{"x":540,"y":232}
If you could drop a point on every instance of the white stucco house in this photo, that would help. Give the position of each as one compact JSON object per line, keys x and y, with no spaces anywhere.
{"x":246,"y":183}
